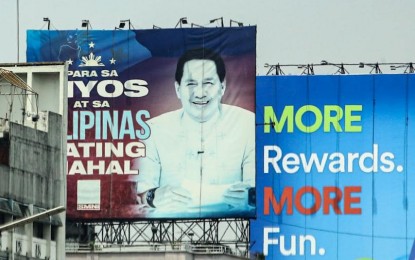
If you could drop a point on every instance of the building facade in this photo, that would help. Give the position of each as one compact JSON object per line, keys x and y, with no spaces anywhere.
{"x":33,"y":112}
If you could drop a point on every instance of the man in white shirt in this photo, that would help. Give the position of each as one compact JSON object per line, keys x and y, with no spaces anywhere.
{"x":204,"y":153}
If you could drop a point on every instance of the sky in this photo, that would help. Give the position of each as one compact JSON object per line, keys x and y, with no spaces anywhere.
{"x":288,"y":31}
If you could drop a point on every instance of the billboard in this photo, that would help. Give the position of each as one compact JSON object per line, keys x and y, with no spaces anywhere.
{"x":160,"y":123}
{"x":335,"y":167}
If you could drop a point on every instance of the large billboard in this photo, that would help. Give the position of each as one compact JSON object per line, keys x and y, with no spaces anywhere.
{"x":161,"y":122}
{"x":335,"y":167}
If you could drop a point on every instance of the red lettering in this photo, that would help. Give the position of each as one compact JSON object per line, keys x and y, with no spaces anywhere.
{"x":348,"y":200}
{"x":315,"y":207}
{"x":334,"y":202}
{"x":286,"y":198}
{"x":331,"y":197}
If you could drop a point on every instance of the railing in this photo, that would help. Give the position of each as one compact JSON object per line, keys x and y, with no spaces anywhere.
{"x":73,"y":247}
{"x":208,"y":249}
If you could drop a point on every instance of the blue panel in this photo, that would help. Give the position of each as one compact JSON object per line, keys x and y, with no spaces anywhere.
{"x":369,"y":159}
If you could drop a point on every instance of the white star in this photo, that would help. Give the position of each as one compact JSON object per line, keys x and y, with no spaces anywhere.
{"x":112,"y":60}
{"x":91,"y":45}
{"x":70,"y":61}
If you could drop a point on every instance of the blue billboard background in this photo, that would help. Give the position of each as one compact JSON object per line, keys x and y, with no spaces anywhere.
{"x":118,"y":82}
{"x":372,"y":150}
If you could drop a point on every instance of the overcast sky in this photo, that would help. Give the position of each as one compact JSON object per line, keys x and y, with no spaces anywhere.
{"x":288,"y":31}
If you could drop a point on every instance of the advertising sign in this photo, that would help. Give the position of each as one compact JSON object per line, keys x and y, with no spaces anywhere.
{"x":335,"y":167}
{"x":161,"y":122}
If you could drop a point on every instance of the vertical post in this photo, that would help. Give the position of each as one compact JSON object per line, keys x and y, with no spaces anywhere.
{"x":47,"y":235}
{"x":29,"y":233}
{"x":12,"y":242}
{"x":191,"y":234}
{"x":154,"y":231}
{"x":10,"y":246}
{"x":18,"y":29}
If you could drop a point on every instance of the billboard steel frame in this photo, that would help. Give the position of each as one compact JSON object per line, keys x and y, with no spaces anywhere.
{"x":233,"y":233}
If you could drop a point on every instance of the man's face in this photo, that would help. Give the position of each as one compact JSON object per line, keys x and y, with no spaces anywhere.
{"x":200,"y":90}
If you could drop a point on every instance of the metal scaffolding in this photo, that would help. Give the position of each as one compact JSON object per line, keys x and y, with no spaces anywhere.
{"x":229,"y":233}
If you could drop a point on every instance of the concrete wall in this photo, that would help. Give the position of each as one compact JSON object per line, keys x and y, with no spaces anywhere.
{"x":35,"y":175}
{"x":35,"y":160}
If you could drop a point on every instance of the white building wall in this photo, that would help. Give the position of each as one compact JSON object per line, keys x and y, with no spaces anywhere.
{"x":20,"y":245}
{"x":49,"y":80}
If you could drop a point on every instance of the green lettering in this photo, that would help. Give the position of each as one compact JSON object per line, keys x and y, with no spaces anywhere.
{"x":299,"y":118}
{"x":350,"y":118}
{"x":332,"y":119}
{"x":271,"y":119}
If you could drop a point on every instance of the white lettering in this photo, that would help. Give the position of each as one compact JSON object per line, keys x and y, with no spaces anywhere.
{"x":336,"y":162}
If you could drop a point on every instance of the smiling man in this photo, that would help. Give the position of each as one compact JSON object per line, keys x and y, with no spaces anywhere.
{"x":202,"y":155}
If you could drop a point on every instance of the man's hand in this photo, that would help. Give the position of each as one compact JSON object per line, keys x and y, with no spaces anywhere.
{"x":172,"y":197}
{"x":237,"y":195}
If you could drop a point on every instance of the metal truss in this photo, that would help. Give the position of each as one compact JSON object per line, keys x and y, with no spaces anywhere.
{"x":232,"y":233}
{"x":308,"y":69}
